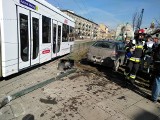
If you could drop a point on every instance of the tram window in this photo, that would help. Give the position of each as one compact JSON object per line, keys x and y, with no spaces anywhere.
{"x":68,"y":32}
{"x":35,"y":23}
{"x":65,"y":32}
{"x":24,"y":39}
{"x":54,"y":37}
{"x":46,"y":29}
{"x":71,"y":34}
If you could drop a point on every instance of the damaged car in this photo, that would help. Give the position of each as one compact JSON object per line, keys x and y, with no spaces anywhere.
{"x":108,"y":53}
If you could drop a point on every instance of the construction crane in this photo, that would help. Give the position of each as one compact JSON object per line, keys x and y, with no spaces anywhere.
{"x":139,"y":20}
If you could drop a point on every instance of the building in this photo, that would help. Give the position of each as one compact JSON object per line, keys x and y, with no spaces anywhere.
{"x":84,"y":28}
{"x":102,"y":31}
{"x":111,"y":34}
{"x":124,"y":31}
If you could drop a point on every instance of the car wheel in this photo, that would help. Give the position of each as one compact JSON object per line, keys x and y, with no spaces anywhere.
{"x":116,"y":65}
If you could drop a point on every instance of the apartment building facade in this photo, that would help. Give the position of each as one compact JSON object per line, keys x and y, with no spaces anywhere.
{"x":84,"y":28}
{"x":102,"y":31}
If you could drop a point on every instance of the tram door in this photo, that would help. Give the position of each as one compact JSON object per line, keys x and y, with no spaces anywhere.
{"x":28,"y":29}
{"x":54,"y":37}
{"x":59,"y":39}
{"x":35,"y":32}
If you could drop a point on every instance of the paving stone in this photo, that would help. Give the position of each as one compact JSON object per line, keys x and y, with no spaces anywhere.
{"x":93,"y":113}
{"x":73,"y":116}
{"x":2,"y":96}
{"x":6,"y":113}
{"x":41,"y":115}
{"x":17,"y":109}
{"x":118,"y":116}
{"x":137,"y":113}
{"x":58,"y":115}
{"x":29,"y":107}
{"x":123,"y":100}
{"x":133,"y":95}
{"x":32,"y":96}
{"x":110,"y":107}
{"x":149,"y":106}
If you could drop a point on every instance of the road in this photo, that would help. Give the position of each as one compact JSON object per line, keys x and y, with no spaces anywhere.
{"x":92,"y":92}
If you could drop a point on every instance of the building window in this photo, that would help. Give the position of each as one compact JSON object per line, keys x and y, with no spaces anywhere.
{"x":46,"y":29}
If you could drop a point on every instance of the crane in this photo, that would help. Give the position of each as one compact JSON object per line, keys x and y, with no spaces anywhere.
{"x":139,"y":20}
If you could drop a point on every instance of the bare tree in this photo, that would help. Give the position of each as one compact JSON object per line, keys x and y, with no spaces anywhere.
{"x":137,"y":19}
{"x":134,"y":19}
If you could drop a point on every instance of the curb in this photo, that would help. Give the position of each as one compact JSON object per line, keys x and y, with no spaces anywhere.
{"x":9,"y":98}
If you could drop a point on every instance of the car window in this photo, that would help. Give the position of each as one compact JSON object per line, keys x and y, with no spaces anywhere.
{"x":104,"y":45}
{"x":120,"y":46}
{"x":97,"y":44}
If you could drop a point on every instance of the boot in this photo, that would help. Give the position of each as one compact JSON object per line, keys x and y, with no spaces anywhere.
{"x":132,"y":81}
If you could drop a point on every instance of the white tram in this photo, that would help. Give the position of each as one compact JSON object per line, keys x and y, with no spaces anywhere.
{"x":32,"y":32}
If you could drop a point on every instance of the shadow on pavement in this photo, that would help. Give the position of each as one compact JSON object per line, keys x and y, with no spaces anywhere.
{"x":145,"y":115}
{"x":28,"y":117}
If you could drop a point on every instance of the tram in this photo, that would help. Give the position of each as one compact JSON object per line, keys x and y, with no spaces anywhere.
{"x":32,"y":32}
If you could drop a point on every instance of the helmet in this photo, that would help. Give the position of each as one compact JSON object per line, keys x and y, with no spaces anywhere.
{"x":141,"y":31}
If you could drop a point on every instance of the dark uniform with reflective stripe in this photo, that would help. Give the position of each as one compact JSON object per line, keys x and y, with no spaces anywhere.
{"x":134,"y":62}
{"x":128,"y":53}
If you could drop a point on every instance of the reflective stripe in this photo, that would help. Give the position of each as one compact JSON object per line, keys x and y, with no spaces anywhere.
{"x":139,"y":46}
{"x":127,"y":48}
{"x":134,"y":59}
{"x":137,"y":60}
{"x":132,"y":76}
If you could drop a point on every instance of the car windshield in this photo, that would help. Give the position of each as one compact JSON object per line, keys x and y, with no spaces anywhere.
{"x":104,"y":44}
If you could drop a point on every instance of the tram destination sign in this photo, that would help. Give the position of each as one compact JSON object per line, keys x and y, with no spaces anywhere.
{"x":28,"y":4}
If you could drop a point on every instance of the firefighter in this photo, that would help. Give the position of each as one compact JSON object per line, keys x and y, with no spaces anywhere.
{"x":129,"y":50}
{"x":134,"y":61}
{"x":156,"y":84}
{"x":147,"y":59}
{"x":156,"y":42}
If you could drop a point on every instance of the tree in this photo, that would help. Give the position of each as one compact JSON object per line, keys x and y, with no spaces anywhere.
{"x":137,"y":20}
{"x":134,"y":19}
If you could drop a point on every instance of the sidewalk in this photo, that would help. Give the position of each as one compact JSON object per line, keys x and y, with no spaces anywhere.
{"x":79,"y":96}
{"x":28,"y":78}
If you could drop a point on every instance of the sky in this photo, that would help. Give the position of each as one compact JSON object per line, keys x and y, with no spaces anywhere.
{"x":112,"y":12}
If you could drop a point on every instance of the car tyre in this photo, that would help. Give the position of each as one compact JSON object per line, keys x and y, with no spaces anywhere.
{"x":116,"y":65}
